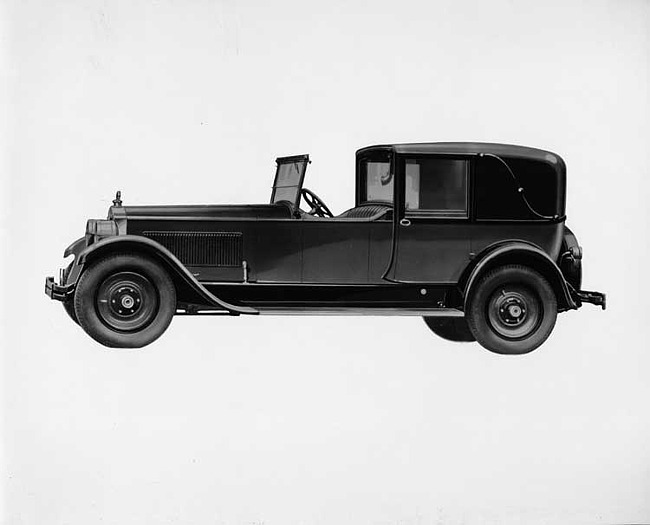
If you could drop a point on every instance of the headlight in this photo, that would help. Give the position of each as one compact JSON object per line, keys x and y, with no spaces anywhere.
{"x":97,"y":229}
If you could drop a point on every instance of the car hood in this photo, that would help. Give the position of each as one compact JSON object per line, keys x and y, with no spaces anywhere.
{"x":235,"y":211}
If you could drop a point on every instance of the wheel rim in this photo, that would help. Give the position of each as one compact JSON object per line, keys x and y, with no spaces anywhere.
{"x":514,"y":312}
{"x":126,"y":301}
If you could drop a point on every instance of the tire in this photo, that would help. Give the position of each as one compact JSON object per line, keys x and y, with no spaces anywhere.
{"x":68,"y":306}
{"x":450,"y":328}
{"x":125,"y":301}
{"x":512,"y":310}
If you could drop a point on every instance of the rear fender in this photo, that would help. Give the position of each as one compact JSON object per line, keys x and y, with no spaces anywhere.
{"x":177,"y":270}
{"x":518,"y":252}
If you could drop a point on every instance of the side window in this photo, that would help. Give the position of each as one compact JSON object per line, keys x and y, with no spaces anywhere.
{"x":376,"y":179}
{"x":379,"y":181}
{"x":437,"y":186}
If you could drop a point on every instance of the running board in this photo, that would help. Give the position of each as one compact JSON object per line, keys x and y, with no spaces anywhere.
{"x":338,"y":310}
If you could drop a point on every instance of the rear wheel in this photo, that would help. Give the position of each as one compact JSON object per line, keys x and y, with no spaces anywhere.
{"x":450,"y":328}
{"x":125,"y":301}
{"x":512,"y":311}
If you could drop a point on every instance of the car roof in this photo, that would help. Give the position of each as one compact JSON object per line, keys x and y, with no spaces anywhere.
{"x":470,"y":148}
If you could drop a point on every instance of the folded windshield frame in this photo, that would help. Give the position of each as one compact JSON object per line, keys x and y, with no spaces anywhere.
{"x":289,"y":178}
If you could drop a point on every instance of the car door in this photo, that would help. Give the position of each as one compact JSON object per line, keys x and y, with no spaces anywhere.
{"x":276,"y":240}
{"x":433,"y":233}
{"x":335,"y":251}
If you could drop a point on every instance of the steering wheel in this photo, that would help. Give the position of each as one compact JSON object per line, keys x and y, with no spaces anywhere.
{"x":318,"y":207}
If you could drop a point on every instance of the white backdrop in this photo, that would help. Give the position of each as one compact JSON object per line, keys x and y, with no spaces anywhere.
{"x":319,"y":420}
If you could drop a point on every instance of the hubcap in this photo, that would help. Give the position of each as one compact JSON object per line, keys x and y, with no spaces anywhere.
{"x":127,"y":301}
{"x":514,"y":312}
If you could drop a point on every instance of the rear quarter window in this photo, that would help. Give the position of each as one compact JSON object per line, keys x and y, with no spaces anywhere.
{"x":496,"y":196}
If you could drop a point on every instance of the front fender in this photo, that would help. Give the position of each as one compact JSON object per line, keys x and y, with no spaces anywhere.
{"x":524,"y":253}
{"x":71,"y":273}
{"x":177,"y":270}
{"x":75,"y":248}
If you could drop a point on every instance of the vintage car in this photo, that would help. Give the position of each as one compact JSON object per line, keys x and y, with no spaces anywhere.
{"x":469,"y":236}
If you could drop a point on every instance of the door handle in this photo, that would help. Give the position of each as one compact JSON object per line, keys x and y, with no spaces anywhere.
{"x":405,"y":222}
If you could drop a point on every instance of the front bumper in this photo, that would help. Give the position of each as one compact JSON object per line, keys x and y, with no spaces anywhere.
{"x":56,"y":291}
{"x":596,"y":298}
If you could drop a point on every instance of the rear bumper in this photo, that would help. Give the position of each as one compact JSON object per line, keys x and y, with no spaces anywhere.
{"x":56,"y":291}
{"x":596,"y":298}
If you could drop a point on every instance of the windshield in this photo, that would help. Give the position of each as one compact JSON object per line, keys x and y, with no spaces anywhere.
{"x":288,"y":179}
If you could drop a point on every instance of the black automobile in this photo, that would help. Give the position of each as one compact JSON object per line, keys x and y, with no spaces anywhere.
{"x":469,"y":236}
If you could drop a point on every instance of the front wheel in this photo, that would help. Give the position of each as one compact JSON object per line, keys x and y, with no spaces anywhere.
{"x":125,"y":301}
{"x":512,"y":311}
{"x":68,"y":306}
